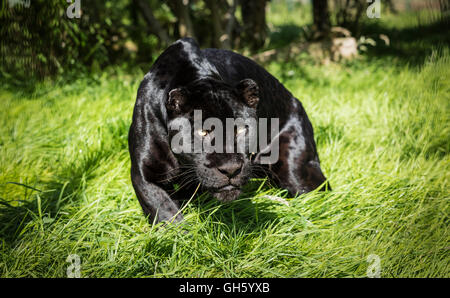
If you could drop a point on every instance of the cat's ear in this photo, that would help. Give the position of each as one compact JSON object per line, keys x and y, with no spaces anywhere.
{"x":176,"y":101}
{"x":249,"y":91}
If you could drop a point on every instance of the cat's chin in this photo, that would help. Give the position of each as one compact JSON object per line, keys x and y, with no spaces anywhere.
{"x":227,"y":194}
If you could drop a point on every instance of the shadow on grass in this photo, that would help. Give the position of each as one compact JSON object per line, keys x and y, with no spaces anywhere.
{"x":242,"y":214}
{"x":42,"y":204}
{"x":69,"y":82}
{"x":283,"y":35}
{"x":409,"y":45}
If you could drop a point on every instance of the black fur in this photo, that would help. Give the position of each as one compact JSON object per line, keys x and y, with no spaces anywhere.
{"x":222,"y":84}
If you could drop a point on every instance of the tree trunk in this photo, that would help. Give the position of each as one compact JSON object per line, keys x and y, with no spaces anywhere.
{"x":321,"y":15}
{"x":181,"y":10}
{"x":230,"y":25}
{"x":217,"y":36}
{"x":254,"y":19}
{"x":154,"y":26}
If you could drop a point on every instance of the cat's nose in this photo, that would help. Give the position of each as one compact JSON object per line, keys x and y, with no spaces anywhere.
{"x":230,"y":170}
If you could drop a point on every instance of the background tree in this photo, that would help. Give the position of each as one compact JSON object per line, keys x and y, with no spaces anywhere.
{"x":42,"y":40}
{"x":153,"y":24}
{"x":254,"y":19}
{"x":181,"y":10}
{"x":321,"y":17}
{"x":348,"y":13}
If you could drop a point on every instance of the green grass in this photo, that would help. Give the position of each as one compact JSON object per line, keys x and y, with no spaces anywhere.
{"x":382,"y":129}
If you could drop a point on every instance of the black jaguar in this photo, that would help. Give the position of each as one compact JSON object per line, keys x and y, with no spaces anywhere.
{"x":220,"y":84}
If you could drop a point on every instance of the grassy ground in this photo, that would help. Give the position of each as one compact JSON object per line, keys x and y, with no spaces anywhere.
{"x":382,"y":128}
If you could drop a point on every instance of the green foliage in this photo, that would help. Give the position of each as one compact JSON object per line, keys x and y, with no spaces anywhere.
{"x":41,"y":40}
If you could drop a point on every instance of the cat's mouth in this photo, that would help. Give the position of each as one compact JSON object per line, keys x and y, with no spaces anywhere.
{"x":227,"y":187}
{"x":226,"y":193}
